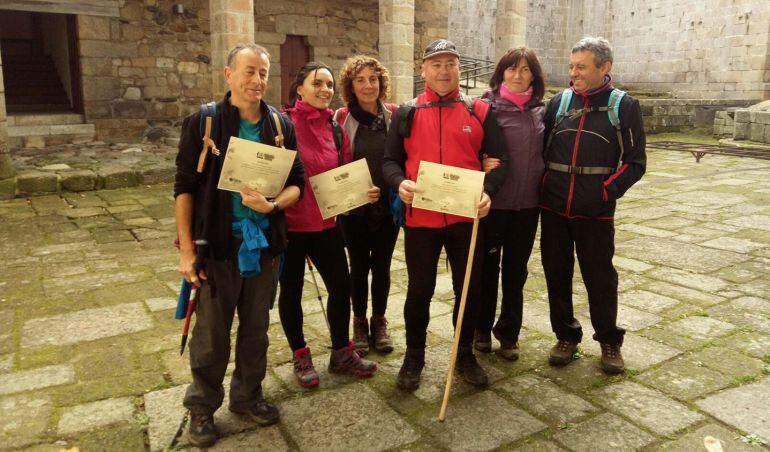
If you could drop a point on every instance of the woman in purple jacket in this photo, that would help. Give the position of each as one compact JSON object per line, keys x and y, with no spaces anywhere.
{"x":516,"y":93}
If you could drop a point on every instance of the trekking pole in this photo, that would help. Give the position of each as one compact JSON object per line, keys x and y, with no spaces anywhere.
{"x":318,"y":291}
{"x":459,"y":324}
{"x":179,"y":432}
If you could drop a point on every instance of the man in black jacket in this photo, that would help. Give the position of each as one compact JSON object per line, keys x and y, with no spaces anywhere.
{"x":209,"y":224}
{"x":595,"y":151}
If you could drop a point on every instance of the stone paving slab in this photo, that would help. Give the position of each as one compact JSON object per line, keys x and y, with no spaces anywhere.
{"x":92,"y":416}
{"x":86,"y":325}
{"x":22,"y":419}
{"x":647,"y":301}
{"x":698,"y":327}
{"x":685,"y":379}
{"x":43,"y":377}
{"x":648,"y":407}
{"x":675,"y":254}
{"x":744,"y":407}
{"x":468,"y":427}
{"x":545,"y":399}
{"x":694,"y":441}
{"x":345,"y":419}
{"x":604,"y":432}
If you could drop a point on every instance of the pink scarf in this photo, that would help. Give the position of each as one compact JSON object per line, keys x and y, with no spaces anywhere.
{"x":518,"y":99}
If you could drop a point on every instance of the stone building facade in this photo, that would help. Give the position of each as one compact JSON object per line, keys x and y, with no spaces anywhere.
{"x":145,"y":63}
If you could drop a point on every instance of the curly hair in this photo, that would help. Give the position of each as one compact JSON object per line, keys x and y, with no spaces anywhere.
{"x":356,"y":64}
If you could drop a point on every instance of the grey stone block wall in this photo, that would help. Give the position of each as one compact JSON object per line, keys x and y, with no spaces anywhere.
{"x":682,"y":115}
{"x":472,"y":27}
{"x":694,"y":49}
{"x":753,"y":123}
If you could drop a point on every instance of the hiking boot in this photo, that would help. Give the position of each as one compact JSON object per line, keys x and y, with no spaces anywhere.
{"x":409,"y":375}
{"x":508,"y":350}
{"x":562,"y":353}
{"x":346,"y":361}
{"x":361,"y":335}
{"x":380,"y":337}
{"x":262,"y":413}
{"x":306,"y":375}
{"x":202,"y":432}
{"x":612,"y":359}
{"x":469,"y":368}
{"x":482,"y":342}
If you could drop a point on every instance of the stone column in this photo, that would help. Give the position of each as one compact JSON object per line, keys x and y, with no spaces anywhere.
{"x":510,"y":26}
{"x":232,"y":21}
{"x":7,"y":187}
{"x":397,"y":46}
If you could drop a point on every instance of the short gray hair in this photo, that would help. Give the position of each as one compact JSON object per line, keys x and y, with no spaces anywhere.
{"x":599,"y":46}
{"x":256,"y":48}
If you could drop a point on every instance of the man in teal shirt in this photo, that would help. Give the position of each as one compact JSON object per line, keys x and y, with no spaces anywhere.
{"x":230,"y":243}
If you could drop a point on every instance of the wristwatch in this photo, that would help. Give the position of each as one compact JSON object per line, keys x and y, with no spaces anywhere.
{"x":275,"y":206}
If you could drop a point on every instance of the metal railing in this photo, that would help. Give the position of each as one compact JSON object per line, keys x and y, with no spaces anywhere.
{"x":474,"y":73}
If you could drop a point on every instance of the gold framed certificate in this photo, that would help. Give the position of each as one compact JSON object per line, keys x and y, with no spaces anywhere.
{"x":342,"y":189}
{"x":258,"y":166}
{"x":448,"y":189}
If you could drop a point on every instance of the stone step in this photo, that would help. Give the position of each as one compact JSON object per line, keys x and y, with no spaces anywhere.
{"x":44,"y":119}
{"x":53,"y":129}
{"x":47,"y":132}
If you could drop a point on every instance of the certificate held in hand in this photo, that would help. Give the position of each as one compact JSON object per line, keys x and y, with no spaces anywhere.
{"x":255,"y":165}
{"x":448,"y":189}
{"x":342,"y":189}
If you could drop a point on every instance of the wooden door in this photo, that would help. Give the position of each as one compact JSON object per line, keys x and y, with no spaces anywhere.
{"x":295,"y":53}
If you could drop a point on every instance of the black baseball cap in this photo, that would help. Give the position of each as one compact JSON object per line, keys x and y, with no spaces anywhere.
{"x":440,"y":47}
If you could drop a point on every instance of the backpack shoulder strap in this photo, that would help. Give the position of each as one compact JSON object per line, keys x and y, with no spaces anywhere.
{"x":338,"y":138}
{"x":613,"y":107}
{"x":406,"y":113}
{"x":207,"y":110}
{"x":278,"y":125}
{"x":564,"y":102}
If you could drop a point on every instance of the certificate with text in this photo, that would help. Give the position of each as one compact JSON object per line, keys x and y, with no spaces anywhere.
{"x":342,"y":189}
{"x":448,"y":189}
{"x":258,"y":166}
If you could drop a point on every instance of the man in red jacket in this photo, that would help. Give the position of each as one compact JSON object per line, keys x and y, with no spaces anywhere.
{"x":441,"y":126}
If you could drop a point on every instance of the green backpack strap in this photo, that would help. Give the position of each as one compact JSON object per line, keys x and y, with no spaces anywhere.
{"x":564,"y":103}
{"x":613,"y":107}
{"x":613,"y":113}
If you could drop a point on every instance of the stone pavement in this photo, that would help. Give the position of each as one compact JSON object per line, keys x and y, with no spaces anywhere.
{"x":89,"y":350}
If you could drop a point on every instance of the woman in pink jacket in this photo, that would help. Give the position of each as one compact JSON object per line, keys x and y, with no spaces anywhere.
{"x":311,"y":235}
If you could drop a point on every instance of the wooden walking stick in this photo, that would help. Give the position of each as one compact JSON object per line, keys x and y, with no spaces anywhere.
{"x":459,"y":324}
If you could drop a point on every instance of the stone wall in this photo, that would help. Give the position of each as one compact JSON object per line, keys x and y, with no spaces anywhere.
{"x":7,"y":184}
{"x":145,"y":67}
{"x":547,"y":30}
{"x":472,"y":27}
{"x":724,"y":123}
{"x":753,"y":123}
{"x":684,"y":115}
{"x":335,"y":30}
{"x":698,"y":49}
{"x":431,"y":20}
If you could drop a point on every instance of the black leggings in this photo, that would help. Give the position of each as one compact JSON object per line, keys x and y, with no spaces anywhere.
{"x":510,"y":235}
{"x":370,"y":247}
{"x":327,"y":252}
